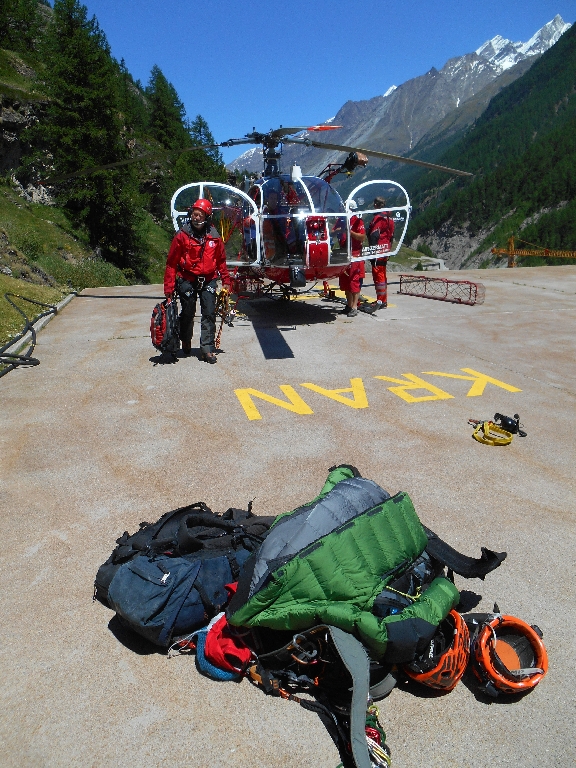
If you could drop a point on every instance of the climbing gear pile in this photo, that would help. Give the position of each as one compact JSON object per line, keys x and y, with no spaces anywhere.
{"x":489,"y":433}
{"x":498,"y":431}
{"x":249,"y":594}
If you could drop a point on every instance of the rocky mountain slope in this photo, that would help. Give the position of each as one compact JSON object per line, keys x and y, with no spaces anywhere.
{"x":522,"y":152}
{"x":398,"y":120}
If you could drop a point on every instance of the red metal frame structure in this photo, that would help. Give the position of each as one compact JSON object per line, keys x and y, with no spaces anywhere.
{"x":442,"y":289}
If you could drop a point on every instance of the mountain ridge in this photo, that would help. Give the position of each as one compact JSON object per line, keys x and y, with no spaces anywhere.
{"x":398,"y":120}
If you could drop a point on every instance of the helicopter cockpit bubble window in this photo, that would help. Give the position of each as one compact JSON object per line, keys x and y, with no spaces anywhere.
{"x":386,"y":206}
{"x":234,"y":217}
{"x":324,"y":198}
{"x":285,"y":202}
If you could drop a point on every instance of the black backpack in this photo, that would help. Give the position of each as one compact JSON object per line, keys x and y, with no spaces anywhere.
{"x":169,"y":578}
{"x":164,"y":327}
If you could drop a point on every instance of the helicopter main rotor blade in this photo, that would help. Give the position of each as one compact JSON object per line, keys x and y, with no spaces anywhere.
{"x":109,"y":166}
{"x":288,"y":131}
{"x":383,"y":155}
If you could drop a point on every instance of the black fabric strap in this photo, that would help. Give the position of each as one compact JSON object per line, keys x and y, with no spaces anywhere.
{"x":468,"y":567}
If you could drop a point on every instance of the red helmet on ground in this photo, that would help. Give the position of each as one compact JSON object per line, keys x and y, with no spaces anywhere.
{"x":203,"y":205}
{"x":509,"y":655}
{"x":445,"y":662}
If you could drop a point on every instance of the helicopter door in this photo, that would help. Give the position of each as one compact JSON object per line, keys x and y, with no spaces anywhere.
{"x":384,"y":207}
{"x":234,"y":216}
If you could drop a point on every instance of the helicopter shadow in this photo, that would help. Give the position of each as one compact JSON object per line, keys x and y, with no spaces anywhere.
{"x":271,"y":318}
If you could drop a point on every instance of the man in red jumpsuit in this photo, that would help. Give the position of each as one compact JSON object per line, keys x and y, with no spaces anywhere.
{"x":195,"y":260}
{"x":381,"y":233}
{"x":351,"y":279}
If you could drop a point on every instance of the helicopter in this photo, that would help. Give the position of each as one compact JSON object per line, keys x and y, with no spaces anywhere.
{"x":290,"y":228}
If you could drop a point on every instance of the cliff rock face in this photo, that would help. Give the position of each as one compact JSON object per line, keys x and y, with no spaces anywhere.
{"x":398,"y":120}
{"x":455,"y":244}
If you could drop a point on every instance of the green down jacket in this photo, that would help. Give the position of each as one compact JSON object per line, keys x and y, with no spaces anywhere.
{"x":327,"y":561}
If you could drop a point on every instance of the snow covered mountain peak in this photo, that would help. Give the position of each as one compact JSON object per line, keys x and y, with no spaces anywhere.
{"x":503,"y":54}
{"x":398,"y":119}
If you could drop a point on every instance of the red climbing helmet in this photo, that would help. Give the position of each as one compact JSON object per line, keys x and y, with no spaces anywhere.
{"x":509,"y":655}
{"x":445,"y":660}
{"x":203,"y":205}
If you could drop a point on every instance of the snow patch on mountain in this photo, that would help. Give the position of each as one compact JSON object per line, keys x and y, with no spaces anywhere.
{"x":503,"y":54}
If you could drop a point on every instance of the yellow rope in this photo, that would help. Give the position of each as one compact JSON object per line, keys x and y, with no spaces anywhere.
{"x":491,"y":434}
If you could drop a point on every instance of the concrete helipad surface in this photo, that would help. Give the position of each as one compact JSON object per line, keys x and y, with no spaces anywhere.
{"x":100,"y":436}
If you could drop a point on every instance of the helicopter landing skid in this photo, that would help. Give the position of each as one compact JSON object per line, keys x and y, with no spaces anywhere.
{"x":254,"y":286}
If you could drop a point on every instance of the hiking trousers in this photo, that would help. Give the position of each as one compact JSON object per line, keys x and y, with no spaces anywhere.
{"x":380,"y":281}
{"x":188,"y":293}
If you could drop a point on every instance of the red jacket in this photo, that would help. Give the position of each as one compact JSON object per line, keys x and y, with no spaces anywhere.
{"x":357,"y":226}
{"x":384,"y":224}
{"x":190,"y":258}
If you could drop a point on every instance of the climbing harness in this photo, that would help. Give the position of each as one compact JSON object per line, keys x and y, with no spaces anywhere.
{"x":225,"y":309}
{"x":489,"y":433}
{"x":13,"y":361}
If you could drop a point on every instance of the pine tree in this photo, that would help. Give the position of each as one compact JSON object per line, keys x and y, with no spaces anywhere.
{"x":170,"y":127}
{"x":167,"y":113}
{"x":83,"y":129}
{"x":133,"y":103}
{"x":19,"y":24}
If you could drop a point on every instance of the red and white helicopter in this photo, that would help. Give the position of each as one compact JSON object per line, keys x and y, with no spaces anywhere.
{"x":289,"y":228}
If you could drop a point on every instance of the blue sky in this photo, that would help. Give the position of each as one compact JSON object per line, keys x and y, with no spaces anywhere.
{"x":257,"y":63}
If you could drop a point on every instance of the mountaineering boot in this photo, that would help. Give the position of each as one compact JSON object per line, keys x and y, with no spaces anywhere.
{"x":375,"y":306}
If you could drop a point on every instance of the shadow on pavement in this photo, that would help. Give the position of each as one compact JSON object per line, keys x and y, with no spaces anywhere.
{"x":101,"y":296}
{"x":131,"y":640}
{"x":272,"y":318}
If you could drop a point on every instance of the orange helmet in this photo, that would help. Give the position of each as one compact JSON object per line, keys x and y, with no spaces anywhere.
{"x":445,"y":661}
{"x":203,"y":205}
{"x":509,"y":655}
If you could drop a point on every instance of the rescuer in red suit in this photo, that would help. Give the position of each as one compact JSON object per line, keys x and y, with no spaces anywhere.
{"x":381,"y":232}
{"x":351,"y":279}
{"x":195,"y":260}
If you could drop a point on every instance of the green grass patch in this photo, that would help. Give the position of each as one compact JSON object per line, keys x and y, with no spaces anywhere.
{"x":14,"y":84}
{"x":47,"y":239}
{"x":87,"y":273}
{"x":37,"y":229}
{"x":11,"y":322}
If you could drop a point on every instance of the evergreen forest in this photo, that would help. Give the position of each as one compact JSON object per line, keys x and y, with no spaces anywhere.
{"x":522,"y":152}
{"x":74,"y":106}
